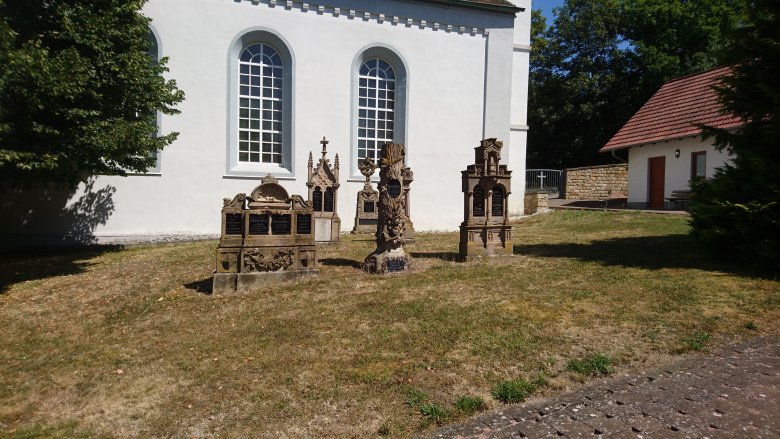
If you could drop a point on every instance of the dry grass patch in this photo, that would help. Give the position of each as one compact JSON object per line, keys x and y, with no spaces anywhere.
{"x":124,"y":342}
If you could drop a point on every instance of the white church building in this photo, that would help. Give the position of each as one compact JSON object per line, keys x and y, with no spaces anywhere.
{"x":265,"y":80}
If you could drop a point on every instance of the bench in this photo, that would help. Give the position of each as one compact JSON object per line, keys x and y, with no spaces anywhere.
{"x":679,"y":199}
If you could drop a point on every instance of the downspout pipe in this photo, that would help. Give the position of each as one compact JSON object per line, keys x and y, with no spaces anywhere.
{"x":619,"y":159}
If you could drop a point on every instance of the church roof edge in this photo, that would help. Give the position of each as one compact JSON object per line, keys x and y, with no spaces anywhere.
{"x":500,"y":6}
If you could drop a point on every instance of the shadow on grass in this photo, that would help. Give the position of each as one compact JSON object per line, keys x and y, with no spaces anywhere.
{"x":41,"y":263}
{"x":203,"y":286}
{"x":650,"y":252}
{"x":340,"y":262}
{"x":444,"y":256}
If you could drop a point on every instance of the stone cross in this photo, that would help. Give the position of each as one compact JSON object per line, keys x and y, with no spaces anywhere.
{"x":324,"y":143}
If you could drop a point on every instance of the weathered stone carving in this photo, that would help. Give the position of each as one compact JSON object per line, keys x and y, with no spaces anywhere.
{"x":394,"y":179}
{"x":366,"y":211}
{"x":259,"y":260}
{"x":267,"y":237}
{"x":323,"y":184}
{"x":486,"y":183}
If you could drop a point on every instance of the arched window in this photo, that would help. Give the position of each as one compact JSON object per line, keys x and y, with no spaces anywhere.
{"x":260,"y":122}
{"x":376,"y":108}
{"x":379,"y":103}
{"x":260,"y":105}
{"x":479,"y":201}
{"x":497,"y":205}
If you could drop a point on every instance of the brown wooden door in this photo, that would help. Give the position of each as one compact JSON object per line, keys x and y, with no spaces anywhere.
{"x":656,"y":173}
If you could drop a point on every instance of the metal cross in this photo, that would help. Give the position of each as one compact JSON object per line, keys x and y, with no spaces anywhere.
{"x":541,"y":178}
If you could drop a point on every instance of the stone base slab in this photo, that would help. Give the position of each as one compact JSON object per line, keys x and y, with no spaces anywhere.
{"x":390,"y":261}
{"x":229,"y":283}
{"x":479,"y":241}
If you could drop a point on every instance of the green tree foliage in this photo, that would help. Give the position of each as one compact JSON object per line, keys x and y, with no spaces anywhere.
{"x":602,"y":59}
{"x":739,"y":209}
{"x":79,"y":93}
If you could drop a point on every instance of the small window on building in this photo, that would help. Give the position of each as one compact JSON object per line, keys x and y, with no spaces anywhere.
{"x":698,"y":165}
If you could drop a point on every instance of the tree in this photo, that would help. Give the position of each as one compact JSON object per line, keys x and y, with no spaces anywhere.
{"x":738,"y":211}
{"x":577,"y":78}
{"x":602,"y":59}
{"x":79,"y":92}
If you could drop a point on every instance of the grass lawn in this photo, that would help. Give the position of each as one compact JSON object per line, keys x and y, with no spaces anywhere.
{"x":124,"y":342}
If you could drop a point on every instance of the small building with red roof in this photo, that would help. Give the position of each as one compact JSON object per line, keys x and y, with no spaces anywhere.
{"x":664,"y":143}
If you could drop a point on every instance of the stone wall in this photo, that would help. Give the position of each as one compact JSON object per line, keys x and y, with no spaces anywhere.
{"x":595,"y":182}
{"x":536,"y":202}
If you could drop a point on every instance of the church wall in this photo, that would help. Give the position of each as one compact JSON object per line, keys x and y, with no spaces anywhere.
{"x":449,"y":77}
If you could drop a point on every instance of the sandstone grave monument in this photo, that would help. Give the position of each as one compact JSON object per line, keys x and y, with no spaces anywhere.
{"x":323,"y":184}
{"x":366,"y":210}
{"x":394,"y":179}
{"x":267,"y":238}
{"x":486,"y":183}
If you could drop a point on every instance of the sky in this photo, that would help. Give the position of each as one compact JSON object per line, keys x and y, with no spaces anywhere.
{"x":546,"y":6}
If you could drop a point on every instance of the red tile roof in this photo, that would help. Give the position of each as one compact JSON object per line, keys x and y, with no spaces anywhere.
{"x":674,"y":111}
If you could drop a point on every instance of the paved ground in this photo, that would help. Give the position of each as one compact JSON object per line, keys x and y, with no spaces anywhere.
{"x":733,"y":393}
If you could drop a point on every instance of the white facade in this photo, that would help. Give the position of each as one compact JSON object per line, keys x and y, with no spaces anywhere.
{"x":465,"y":78}
{"x":677,"y":172}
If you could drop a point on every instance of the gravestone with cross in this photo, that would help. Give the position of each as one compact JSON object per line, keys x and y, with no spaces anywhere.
{"x":394,"y":179}
{"x":486,"y":183}
{"x":323,"y":184}
{"x":267,"y":237}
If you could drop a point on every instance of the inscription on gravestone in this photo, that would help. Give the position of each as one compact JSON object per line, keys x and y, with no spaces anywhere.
{"x":316,"y":199}
{"x":367,"y":222}
{"x":303,"y":226}
{"x":281,"y":224}
{"x":497,"y":207}
{"x":369,"y":206}
{"x":258,"y":224}
{"x":394,"y":188}
{"x":233,"y":224}
{"x":479,"y":201}
{"x":395,"y":265}
{"x":328,"y":200}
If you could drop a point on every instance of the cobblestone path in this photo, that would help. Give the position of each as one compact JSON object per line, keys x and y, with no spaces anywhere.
{"x":733,"y":393}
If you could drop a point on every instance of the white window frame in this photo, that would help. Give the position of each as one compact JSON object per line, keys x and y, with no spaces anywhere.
{"x":400,"y":113}
{"x":235,"y":168}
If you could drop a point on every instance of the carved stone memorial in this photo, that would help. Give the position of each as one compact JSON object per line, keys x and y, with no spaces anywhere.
{"x":267,"y":238}
{"x":486,"y":183}
{"x":394,"y":179}
{"x":367,"y":211}
{"x":323,"y":184}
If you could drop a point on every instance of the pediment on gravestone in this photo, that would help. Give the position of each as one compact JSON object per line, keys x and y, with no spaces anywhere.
{"x":488,"y":149}
{"x":323,"y":176}
{"x":269,"y":194}
{"x":236,"y":203}
{"x":298,"y":203}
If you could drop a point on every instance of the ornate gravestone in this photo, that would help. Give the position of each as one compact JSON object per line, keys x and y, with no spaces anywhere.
{"x":267,"y":238}
{"x":486,"y":183}
{"x":394,"y":179}
{"x":367,"y":211}
{"x":323,"y":184}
